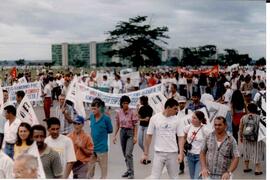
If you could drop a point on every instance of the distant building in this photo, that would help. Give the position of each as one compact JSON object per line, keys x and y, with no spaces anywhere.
{"x":168,"y":54}
{"x":87,"y":54}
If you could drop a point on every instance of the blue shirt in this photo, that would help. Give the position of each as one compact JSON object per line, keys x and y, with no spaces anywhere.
{"x":99,"y":132}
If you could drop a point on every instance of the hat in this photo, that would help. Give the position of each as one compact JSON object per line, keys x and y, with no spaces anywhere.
{"x":79,"y":119}
{"x":182,"y":99}
{"x":227,"y":84}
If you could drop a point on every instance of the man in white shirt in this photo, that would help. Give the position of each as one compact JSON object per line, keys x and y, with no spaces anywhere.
{"x":173,"y":92}
{"x":62,"y":144}
{"x":207,"y":96}
{"x":117,"y":85}
{"x":47,"y":94}
{"x":10,"y":130}
{"x":165,"y":125}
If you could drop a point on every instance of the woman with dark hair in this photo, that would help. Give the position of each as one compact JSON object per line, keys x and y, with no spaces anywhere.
{"x":238,"y":110}
{"x":252,"y":149}
{"x":145,"y":112}
{"x":126,"y":120}
{"x":23,"y":139}
{"x":193,"y":136}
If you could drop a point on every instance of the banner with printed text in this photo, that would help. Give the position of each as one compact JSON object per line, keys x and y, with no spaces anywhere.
{"x":113,"y":100}
{"x":32,"y":90}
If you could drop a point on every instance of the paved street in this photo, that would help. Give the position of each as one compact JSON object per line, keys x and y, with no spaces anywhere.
{"x":117,"y":165}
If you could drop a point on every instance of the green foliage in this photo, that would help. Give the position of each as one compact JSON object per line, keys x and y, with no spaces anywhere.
{"x":20,"y":62}
{"x":137,"y":41}
{"x":261,"y":62}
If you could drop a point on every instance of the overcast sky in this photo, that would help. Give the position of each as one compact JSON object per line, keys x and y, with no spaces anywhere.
{"x":29,"y":27}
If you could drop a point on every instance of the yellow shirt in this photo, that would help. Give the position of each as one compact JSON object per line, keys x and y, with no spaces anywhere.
{"x":20,"y":149}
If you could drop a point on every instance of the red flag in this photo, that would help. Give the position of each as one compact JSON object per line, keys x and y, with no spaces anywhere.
{"x":13,"y":72}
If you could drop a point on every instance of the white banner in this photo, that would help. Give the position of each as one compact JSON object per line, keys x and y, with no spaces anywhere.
{"x":1,"y":100}
{"x":134,"y":78}
{"x":26,"y":113}
{"x":32,"y":90}
{"x":33,"y":150}
{"x":113,"y":100}
{"x":22,"y":80}
{"x":157,"y":102}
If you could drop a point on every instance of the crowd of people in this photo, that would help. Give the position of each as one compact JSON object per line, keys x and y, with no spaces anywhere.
{"x":67,"y":151}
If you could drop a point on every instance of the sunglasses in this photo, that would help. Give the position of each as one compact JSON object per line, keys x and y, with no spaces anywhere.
{"x":75,"y":123}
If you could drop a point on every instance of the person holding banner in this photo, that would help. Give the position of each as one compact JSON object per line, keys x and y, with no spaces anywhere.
{"x":23,"y":139}
{"x":10,"y":130}
{"x":126,"y":119}
{"x":19,"y":97}
{"x":50,"y":159}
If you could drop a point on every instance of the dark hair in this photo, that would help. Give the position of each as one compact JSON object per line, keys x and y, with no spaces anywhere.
{"x":237,"y":100}
{"x":255,"y":85}
{"x":174,"y":86}
{"x":20,"y":94}
{"x":200,"y":116}
{"x":10,"y":109}
{"x":252,"y":108}
{"x":4,"y":90}
{"x":171,"y":103}
{"x":124,"y":99}
{"x":208,"y":90}
{"x":29,"y":139}
{"x":98,"y":102}
{"x":144,"y":100}
{"x":221,"y":118}
{"x":52,"y":121}
{"x":196,"y":94}
{"x":38,"y":127}
{"x":262,"y":85}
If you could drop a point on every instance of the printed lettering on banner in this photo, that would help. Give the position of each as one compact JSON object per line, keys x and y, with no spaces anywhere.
{"x":26,"y":113}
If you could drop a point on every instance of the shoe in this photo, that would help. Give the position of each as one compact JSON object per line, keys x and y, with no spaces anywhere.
{"x":130,"y":176}
{"x":247,"y":170}
{"x":126,"y":174}
{"x":181,"y":172}
{"x":258,"y":173}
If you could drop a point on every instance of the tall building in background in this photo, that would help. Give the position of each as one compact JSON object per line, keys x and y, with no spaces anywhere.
{"x":82,"y":54}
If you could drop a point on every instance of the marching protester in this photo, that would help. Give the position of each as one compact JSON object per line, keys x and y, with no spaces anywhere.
{"x":50,"y":159}
{"x":62,"y":144}
{"x":219,"y":155}
{"x":117,"y":85}
{"x":191,"y":142}
{"x":196,"y":103}
{"x":126,"y":119}
{"x":64,"y":113}
{"x":83,"y":146}
{"x":47,"y":94}
{"x":101,"y":127}
{"x":145,"y":113}
{"x":10,"y":130}
{"x":165,"y":126}
{"x":252,"y":149}
{"x":24,"y":140}
{"x":173,"y":92}
{"x":259,"y":97}
{"x":25,"y":167}
{"x":19,"y":96}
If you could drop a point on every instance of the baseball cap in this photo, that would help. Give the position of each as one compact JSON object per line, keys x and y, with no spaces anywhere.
{"x":79,"y":119}
{"x":182,"y":99}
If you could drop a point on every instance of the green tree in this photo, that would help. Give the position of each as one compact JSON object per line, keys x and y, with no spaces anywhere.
{"x":20,"y":62}
{"x":190,"y":57}
{"x":261,"y":62}
{"x":137,"y":41}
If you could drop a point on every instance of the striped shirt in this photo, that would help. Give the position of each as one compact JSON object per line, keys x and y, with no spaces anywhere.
{"x":126,"y":119}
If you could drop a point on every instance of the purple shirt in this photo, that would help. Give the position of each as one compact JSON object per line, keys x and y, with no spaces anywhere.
{"x":126,"y":119}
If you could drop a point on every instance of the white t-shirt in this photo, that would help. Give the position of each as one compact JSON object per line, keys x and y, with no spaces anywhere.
{"x":64,"y":146}
{"x":228,"y":95}
{"x":48,"y":90}
{"x":165,"y":129}
{"x":117,"y":86}
{"x":197,"y":143}
{"x":206,"y":97}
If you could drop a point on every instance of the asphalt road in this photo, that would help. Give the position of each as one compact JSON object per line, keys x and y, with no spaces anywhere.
{"x":116,"y":166}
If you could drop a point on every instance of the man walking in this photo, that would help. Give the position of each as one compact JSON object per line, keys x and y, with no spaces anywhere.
{"x":101,"y":126}
{"x":50,"y":159}
{"x":219,"y":156}
{"x":165,"y":125}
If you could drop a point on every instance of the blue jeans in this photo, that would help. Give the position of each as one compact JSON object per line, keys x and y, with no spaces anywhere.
{"x":9,"y":150}
{"x":141,"y":135}
{"x":194,"y":165}
{"x":229,"y":121}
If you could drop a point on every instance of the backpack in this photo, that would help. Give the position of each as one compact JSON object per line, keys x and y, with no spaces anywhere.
{"x":251,"y":128}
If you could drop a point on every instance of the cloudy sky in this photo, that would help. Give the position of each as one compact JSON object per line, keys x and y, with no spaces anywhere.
{"x":29,"y":27}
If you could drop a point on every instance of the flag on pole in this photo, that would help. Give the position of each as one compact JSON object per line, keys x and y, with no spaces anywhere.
{"x":26,"y":113}
{"x":13,"y":72}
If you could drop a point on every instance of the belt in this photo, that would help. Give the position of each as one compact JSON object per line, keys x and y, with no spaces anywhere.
{"x":126,"y":128}
{"x":10,"y":144}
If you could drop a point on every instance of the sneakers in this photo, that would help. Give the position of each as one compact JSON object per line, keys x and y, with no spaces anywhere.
{"x":181,"y":172}
{"x":128,"y":175}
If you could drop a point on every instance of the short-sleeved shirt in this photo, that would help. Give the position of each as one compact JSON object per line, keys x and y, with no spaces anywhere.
{"x":64,"y":146}
{"x":165,"y":129}
{"x":194,"y":107}
{"x":20,"y":149}
{"x":99,"y":132}
{"x":145,"y":111}
{"x":6,"y":166}
{"x":219,"y":158}
{"x":51,"y":163}
{"x":65,"y":127}
{"x":87,"y":144}
{"x":10,"y":131}
{"x":126,"y":119}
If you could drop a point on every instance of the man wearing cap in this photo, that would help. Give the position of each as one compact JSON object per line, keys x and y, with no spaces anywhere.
{"x":227,"y":96}
{"x":83,"y":146}
{"x":183,"y":111}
